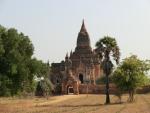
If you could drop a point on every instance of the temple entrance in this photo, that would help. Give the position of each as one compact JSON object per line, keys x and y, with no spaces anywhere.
{"x":81,"y":78}
{"x":70,"y":89}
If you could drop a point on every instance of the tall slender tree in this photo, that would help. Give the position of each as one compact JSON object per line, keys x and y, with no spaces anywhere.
{"x":106,"y":48}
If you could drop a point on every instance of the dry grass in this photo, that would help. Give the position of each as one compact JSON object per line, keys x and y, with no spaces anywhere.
{"x":74,"y":104}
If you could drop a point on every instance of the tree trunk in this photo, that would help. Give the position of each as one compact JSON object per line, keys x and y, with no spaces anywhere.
{"x":107,"y":90}
{"x":131,"y":95}
{"x":107,"y":70}
{"x":87,"y":90}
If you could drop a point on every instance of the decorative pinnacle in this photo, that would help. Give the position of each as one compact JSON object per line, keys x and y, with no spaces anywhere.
{"x":83,"y":29}
{"x":66,"y":55}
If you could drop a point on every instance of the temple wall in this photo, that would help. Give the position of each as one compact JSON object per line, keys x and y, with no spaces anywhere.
{"x":97,"y":71}
{"x":100,"y":89}
{"x":96,"y":89}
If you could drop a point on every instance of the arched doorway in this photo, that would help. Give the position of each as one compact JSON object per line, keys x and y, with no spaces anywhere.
{"x":70,"y":89}
{"x":81,"y":78}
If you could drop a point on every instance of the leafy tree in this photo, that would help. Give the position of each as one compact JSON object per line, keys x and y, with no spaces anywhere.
{"x":2,"y":29}
{"x":17,"y":52}
{"x":17,"y":67}
{"x":44,"y":86}
{"x":131,"y":74}
{"x":107,"y":47}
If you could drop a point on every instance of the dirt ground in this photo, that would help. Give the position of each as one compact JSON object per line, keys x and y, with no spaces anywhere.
{"x":75,"y":104}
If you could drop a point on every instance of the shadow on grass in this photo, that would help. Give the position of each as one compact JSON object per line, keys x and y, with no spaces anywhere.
{"x":115,"y":103}
{"x":82,"y":105}
{"x":67,"y":105}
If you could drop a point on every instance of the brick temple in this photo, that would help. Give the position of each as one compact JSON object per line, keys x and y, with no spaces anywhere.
{"x":80,"y":67}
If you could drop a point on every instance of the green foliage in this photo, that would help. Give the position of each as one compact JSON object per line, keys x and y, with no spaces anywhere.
{"x":4,"y":84}
{"x":131,"y":74}
{"x":107,"y":47}
{"x":2,"y":29}
{"x":17,"y":67}
{"x":44,"y":87}
{"x":39,"y":68}
{"x":42,"y":70}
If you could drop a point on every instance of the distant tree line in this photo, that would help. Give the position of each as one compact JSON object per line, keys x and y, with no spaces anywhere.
{"x":18,"y":68}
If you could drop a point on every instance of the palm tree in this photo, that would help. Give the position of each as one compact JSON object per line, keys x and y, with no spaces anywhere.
{"x":107,"y":48}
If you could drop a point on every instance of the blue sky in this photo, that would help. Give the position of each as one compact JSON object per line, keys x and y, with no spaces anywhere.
{"x":53,"y":25}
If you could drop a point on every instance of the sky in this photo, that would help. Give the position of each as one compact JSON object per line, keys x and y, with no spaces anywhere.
{"x":53,"y":25}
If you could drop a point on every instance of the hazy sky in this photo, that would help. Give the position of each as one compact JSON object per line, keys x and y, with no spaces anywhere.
{"x":53,"y":25}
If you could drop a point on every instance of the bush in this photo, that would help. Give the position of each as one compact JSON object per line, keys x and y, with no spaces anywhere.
{"x":44,"y":87}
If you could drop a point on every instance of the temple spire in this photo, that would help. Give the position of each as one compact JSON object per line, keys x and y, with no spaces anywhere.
{"x":83,"y":29}
{"x":83,"y":39}
{"x":67,"y":56}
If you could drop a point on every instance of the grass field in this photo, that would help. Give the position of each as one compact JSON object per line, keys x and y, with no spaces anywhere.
{"x":75,"y":104}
